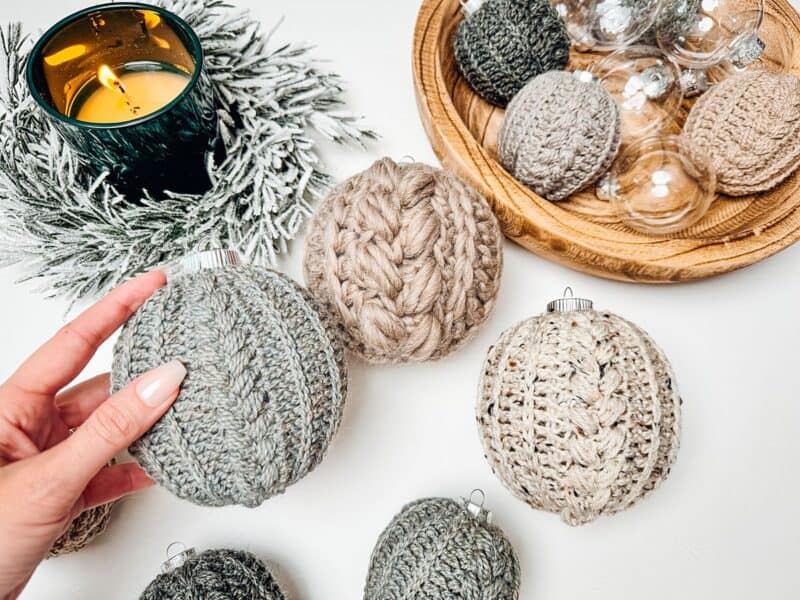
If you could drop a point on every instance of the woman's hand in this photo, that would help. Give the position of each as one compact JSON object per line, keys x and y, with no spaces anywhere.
{"x":49,"y":476}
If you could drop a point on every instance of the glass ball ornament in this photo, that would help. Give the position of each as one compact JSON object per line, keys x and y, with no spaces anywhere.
{"x":717,"y":31}
{"x":646,"y":84}
{"x":606,"y":25}
{"x":776,"y":49}
{"x":657,"y":188}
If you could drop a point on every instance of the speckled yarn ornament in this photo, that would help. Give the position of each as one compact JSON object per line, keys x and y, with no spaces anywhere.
{"x":214,"y":574}
{"x":409,"y":259}
{"x":578,"y":412}
{"x":441,"y":549}
{"x":749,"y":127}
{"x":83,"y":530}
{"x":560,"y":134}
{"x":505,"y":43}
{"x":265,"y":385}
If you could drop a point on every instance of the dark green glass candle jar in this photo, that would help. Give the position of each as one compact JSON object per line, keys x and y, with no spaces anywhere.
{"x":125,"y":87}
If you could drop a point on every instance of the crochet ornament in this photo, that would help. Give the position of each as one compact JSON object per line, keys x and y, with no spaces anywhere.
{"x":502,"y":44}
{"x":213,"y":574}
{"x":445,"y":550}
{"x":408,"y":257}
{"x":79,"y":236}
{"x":560,"y":134}
{"x":265,"y":385}
{"x":578,"y":412}
{"x":83,"y":530}
{"x":749,"y":128}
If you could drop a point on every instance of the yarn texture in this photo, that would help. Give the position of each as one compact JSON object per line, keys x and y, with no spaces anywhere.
{"x":579,"y":413}
{"x":506,"y":43}
{"x":560,"y":134}
{"x":216,"y":575}
{"x":408,"y":258}
{"x":748,"y":126}
{"x":264,"y":391}
{"x":676,"y":18}
{"x":436,"y":550}
{"x":83,"y":530}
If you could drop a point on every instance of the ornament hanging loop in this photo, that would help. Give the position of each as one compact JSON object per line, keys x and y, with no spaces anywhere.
{"x":177,"y":554}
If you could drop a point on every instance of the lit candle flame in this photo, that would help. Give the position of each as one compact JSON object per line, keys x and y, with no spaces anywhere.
{"x":109,"y":79}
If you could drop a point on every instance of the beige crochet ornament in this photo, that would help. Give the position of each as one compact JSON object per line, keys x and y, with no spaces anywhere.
{"x":749,"y":127}
{"x":83,"y":530}
{"x":408,"y":257}
{"x":578,"y":412}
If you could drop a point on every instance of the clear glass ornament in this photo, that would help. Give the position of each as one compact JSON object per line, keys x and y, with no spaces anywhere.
{"x":646,"y":83}
{"x":777,"y":49}
{"x":606,"y":25}
{"x":717,"y":31}
{"x":657,"y":188}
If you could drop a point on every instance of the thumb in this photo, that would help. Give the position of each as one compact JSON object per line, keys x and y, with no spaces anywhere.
{"x":116,"y":424}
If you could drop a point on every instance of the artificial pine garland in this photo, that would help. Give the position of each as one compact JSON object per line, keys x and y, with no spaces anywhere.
{"x":78,"y":236}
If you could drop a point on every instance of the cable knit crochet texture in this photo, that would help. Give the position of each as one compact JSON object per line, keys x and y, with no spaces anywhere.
{"x":83,"y":530}
{"x":505,"y":43}
{"x":749,"y":127}
{"x":264,"y":391}
{"x":560,"y":134}
{"x":579,"y":413}
{"x":436,"y":550}
{"x":409,"y":259}
{"x":216,"y":575}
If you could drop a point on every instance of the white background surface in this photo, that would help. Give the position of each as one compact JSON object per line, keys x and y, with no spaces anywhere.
{"x":725,"y":525}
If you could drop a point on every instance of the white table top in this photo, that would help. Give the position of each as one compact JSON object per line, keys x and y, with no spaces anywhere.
{"x":725,"y":525}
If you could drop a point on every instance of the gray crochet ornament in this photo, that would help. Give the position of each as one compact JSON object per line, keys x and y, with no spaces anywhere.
{"x":214,"y":575}
{"x":442,"y":549}
{"x":579,"y":412}
{"x":78,"y":236}
{"x":560,"y":134}
{"x":505,"y":43}
{"x":265,"y":386}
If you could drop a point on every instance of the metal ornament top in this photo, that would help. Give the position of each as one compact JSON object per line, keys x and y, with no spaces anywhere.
{"x":211,"y":259}
{"x":569,"y":303}
{"x":178,"y":558}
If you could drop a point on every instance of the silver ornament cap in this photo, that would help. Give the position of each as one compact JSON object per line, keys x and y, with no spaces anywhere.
{"x":176,"y":558}
{"x":474,"y":506}
{"x":210,"y":259}
{"x":569,"y":303}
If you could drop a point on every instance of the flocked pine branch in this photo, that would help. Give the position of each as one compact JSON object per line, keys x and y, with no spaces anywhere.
{"x":80,"y":237}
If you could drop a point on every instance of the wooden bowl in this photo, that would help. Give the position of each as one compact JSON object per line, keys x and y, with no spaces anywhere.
{"x":582,"y":232}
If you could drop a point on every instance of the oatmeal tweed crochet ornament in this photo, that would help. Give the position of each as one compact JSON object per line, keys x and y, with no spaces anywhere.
{"x":578,"y":412}
{"x":441,"y":549}
{"x":560,"y":134}
{"x":265,"y":385}
{"x":749,"y":127}
{"x":409,"y":259}
{"x":505,"y":43}
{"x":215,"y":575}
{"x":83,"y":530}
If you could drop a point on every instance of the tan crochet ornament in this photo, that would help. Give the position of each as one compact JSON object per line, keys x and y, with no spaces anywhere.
{"x":578,"y":412}
{"x":83,"y":530}
{"x":749,"y":127}
{"x":408,"y":257}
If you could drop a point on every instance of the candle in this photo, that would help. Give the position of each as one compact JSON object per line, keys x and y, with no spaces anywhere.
{"x":134,"y":93}
{"x":124,"y":86}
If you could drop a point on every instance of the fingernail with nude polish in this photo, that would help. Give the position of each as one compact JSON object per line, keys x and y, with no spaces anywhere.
{"x":161,"y":383}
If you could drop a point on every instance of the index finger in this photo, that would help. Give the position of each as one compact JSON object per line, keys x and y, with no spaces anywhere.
{"x":65,"y":355}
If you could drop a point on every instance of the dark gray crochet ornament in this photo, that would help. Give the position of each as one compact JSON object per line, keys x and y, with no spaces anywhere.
{"x":442,"y":549}
{"x":78,"y":236}
{"x":265,"y":386}
{"x":505,"y":43}
{"x":214,"y":574}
